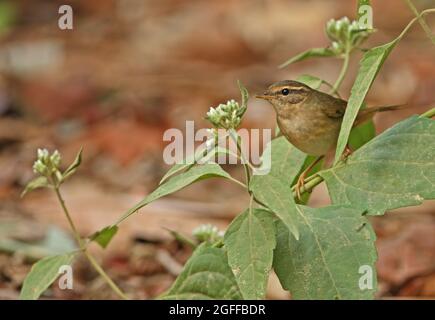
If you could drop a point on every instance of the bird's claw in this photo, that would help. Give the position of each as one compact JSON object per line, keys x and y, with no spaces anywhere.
{"x":347,"y":152}
{"x":299,"y":185}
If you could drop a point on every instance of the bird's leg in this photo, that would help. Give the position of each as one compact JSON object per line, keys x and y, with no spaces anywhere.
{"x":300,"y":182}
{"x":347,"y":152}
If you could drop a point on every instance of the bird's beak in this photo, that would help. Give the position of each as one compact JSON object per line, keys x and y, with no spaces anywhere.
{"x":264,"y":96}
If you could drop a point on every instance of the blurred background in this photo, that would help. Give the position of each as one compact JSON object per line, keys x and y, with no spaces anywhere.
{"x":129,"y":70}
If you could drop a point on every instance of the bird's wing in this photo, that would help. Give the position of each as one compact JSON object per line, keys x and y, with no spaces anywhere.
{"x":333,"y":108}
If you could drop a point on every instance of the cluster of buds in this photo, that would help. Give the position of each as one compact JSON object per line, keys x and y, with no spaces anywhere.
{"x":346,"y":35}
{"x":47,"y":164}
{"x":226,"y":116}
{"x":208,"y":233}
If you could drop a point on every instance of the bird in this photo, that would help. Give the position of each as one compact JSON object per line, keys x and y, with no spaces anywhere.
{"x":311,"y":119}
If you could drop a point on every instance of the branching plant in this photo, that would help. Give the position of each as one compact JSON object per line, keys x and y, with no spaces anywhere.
{"x":317,"y":253}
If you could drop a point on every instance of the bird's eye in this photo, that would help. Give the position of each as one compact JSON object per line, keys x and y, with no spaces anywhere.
{"x":285,"y":92}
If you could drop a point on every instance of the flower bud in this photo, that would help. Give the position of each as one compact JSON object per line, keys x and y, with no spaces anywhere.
{"x":345,"y":35}
{"x":225,"y":116}
{"x":208,"y":233}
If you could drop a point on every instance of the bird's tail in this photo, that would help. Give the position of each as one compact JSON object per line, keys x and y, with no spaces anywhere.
{"x":368,"y":113}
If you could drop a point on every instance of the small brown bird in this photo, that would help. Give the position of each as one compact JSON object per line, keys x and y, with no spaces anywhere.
{"x":311,"y":119}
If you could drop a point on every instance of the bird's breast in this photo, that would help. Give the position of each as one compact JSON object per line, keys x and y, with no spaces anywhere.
{"x":310,"y":131}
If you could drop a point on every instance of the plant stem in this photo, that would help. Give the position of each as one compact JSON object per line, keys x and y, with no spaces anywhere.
{"x":309,"y":185}
{"x":428,"y":114}
{"x":83,"y":248}
{"x":236,"y":138}
{"x":342,"y":74}
{"x":421,"y":21}
{"x":104,"y":275}
{"x":238,"y":182}
{"x":68,"y":217}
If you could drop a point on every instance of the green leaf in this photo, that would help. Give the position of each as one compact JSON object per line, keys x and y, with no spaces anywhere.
{"x":182,"y":239}
{"x":245,"y":96}
{"x":362,"y":134}
{"x":39,"y":182}
{"x":282,"y":160}
{"x":191,"y":160}
{"x":312,"y":53}
{"x":206,"y":275}
{"x":335,"y":242}
{"x":74,"y":165}
{"x":370,"y":65}
{"x":396,"y":169}
{"x":178,"y":182}
{"x":104,"y":236}
{"x":273,"y":189}
{"x":311,"y":81}
{"x":43,"y":274}
{"x":250,"y":240}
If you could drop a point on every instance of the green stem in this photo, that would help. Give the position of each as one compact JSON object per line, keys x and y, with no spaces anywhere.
{"x":238,"y":182}
{"x":68,"y":217}
{"x":404,"y":31}
{"x":342,"y":74}
{"x":421,"y":21}
{"x":104,"y":275}
{"x":237,"y":140}
{"x":309,"y":185}
{"x":83,"y":248}
{"x":429,"y":114}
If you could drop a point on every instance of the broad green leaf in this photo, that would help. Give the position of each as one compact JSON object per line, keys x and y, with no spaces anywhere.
{"x":74,"y":165}
{"x":42,"y":275}
{"x":396,"y":169}
{"x":362,"y":134}
{"x":206,"y":275}
{"x":104,"y":236}
{"x":273,"y":189}
{"x":312,"y":53}
{"x":39,"y":182}
{"x":335,"y":242}
{"x":250,"y":240}
{"x":370,"y":65}
{"x":178,"y":182}
{"x":277,"y":196}
{"x":282,"y":160}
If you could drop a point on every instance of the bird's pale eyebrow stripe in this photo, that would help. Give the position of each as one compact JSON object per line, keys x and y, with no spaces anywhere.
{"x":293,"y":89}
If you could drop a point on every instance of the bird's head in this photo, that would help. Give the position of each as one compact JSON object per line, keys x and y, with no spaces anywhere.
{"x":283,"y":95}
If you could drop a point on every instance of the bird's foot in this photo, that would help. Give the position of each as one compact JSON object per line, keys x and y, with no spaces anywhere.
{"x":300,"y":184}
{"x":347,"y":152}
